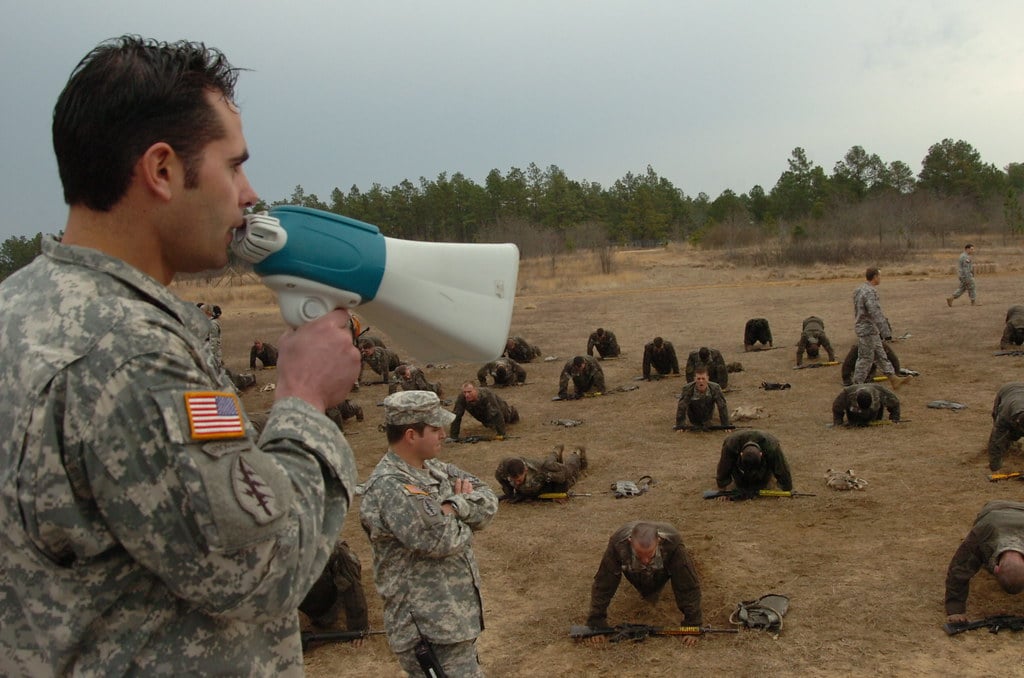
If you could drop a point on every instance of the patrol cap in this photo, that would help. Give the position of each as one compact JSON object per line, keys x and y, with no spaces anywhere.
{"x":413,"y":407}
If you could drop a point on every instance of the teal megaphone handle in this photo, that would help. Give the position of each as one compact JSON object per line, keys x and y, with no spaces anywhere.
{"x":329,"y":249}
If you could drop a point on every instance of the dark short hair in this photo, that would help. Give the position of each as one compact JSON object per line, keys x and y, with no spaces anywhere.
{"x":968,"y":246}
{"x":871,"y":272}
{"x":514,"y":466}
{"x":658,"y":341}
{"x":863,"y":398}
{"x":701,"y":369}
{"x":704,"y":354}
{"x":126,"y":95}
{"x":396,"y":432}
{"x":577,"y":361}
{"x":750,"y":455}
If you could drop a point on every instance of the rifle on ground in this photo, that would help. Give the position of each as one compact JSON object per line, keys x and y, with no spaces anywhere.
{"x":640,"y":632}
{"x":737,"y":495}
{"x":1006,"y":476}
{"x":809,"y":366}
{"x":709,"y":427}
{"x":310,"y":637}
{"x":556,"y":496}
{"x":478,"y":439}
{"x":994,"y":624}
{"x":1016,"y":353}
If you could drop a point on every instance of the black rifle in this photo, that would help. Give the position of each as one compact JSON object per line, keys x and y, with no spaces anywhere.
{"x":1017,"y":353}
{"x":737,"y":495}
{"x":811,"y":366}
{"x":709,"y":427}
{"x":640,"y":632}
{"x":310,"y":637}
{"x":993,"y":624}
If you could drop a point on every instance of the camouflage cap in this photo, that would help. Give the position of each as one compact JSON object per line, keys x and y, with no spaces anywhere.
{"x":413,"y":407}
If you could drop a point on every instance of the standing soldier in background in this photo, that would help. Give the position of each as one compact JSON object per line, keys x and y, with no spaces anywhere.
{"x":713,"y":360}
{"x":504,"y":372}
{"x":1013,"y":332}
{"x":587,"y":377}
{"x":812,"y":339}
{"x":662,"y":355}
{"x":486,"y":407}
{"x":264,"y":352}
{"x":420,"y":514}
{"x":520,"y":350}
{"x":965,"y":272}
{"x":698,"y":401}
{"x":138,"y":535}
{"x":1007,"y":422}
{"x":604,"y":341}
{"x":871,"y":327}
{"x":757,"y":331}
{"x":862,"y":404}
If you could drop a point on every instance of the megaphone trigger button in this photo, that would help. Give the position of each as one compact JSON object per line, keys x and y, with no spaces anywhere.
{"x":313,"y":308}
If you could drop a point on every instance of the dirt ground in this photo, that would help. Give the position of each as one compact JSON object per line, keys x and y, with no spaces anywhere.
{"x":864,"y":570}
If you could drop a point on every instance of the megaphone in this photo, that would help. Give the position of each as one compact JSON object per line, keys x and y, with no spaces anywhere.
{"x":441,"y":301}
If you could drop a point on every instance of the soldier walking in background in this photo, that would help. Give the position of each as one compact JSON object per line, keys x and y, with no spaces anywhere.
{"x":965,"y":272}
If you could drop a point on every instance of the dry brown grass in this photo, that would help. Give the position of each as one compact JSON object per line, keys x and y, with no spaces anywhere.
{"x":864,"y":570}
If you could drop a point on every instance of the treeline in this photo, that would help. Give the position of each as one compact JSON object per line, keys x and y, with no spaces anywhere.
{"x":545,"y":210}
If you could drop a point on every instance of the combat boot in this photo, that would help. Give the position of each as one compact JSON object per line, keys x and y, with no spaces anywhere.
{"x":949,"y":302}
{"x":581,"y":452}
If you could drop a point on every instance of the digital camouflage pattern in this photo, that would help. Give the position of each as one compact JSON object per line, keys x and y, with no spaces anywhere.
{"x":589,"y":379}
{"x":126,"y":545}
{"x":549,"y":475}
{"x":423,"y":562}
{"x":998,"y":527}
{"x":845,"y":405}
{"x":413,"y":379}
{"x":850,"y":363}
{"x":1007,"y":422}
{"x":604,"y":342}
{"x":672,"y":563}
{"x":382,"y":361}
{"x":521,"y":350}
{"x":489,"y":409}
{"x":871,"y":327}
{"x":812,"y":339}
{"x":965,"y":275}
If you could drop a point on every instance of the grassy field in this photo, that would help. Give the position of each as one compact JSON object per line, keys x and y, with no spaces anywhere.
{"x":864,"y":570}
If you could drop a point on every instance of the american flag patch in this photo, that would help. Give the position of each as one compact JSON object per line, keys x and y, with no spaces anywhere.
{"x":213,"y":415}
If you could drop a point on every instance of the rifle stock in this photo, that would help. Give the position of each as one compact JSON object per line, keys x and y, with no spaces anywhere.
{"x":639,"y":632}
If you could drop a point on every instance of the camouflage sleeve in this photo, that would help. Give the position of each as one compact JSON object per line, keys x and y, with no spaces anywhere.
{"x":477,"y":508}
{"x":236,"y":530}
{"x":520,"y":373}
{"x":416,"y":521}
{"x":839,"y":408}
{"x":726,"y":463}
{"x":591,"y":342}
{"x":998,"y":442}
{"x":779,"y":466}
{"x":685,"y":585}
{"x":481,"y":374}
{"x":723,"y":408}
{"x":801,"y":346}
{"x":645,"y":369}
{"x":827,"y":345}
{"x":502,"y":477}
{"x":892,"y":403}
{"x":599,"y":382}
{"x":459,"y":411}
{"x":252,"y":358}
{"x":684,"y":402}
{"x":674,"y":360}
{"x":495,"y":419}
{"x":965,"y":564}
{"x":606,"y":583}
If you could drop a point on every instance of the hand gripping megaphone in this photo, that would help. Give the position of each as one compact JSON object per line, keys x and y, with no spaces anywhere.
{"x":440,"y":301}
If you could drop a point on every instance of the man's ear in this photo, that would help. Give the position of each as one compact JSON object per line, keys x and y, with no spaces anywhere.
{"x":159,"y":169}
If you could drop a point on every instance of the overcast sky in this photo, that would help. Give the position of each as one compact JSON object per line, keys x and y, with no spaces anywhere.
{"x":711,"y":94}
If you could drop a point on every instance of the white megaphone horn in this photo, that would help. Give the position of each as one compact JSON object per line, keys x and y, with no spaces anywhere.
{"x":440,"y":301}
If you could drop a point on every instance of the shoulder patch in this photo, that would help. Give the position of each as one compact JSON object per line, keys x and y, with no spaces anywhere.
{"x":213,"y":414}
{"x":411,"y":490}
{"x":253,"y":493}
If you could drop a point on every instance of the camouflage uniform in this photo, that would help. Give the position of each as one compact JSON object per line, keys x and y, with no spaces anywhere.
{"x":520,"y":350}
{"x":340,"y":587}
{"x":811,"y":337}
{"x":871,"y":327}
{"x":749,"y":481}
{"x":756,"y":331}
{"x":965,"y":273}
{"x":415,"y":381}
{"x":850,"y":362}
{"x":882,"y":399}
{"x":998,"y":528}
{"x":266,"y":355}
{"x":713,"y":360}
{"x":1013,"y":333}
{"x":550,"y":475}
{"x":1007,"y":422}
{"x":382,"y":361}
{"x":605,"y":343}
{"x":342,"y":411}
{"x":590,"y":379}
{"x":130,"y":544}
{"x":423,"y":560}
{"x":488,"y":408}
{"x":699,"y":406}
{"x":671,"y":563}
{"x":504,"y":372}
{"x":663,"y":358}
